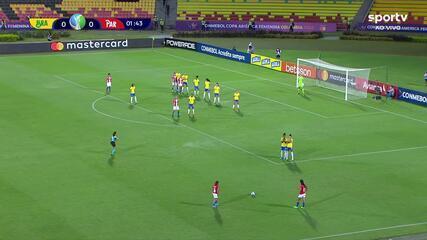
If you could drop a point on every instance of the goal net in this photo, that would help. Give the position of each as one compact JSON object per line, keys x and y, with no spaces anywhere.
{"x":352,"y":82}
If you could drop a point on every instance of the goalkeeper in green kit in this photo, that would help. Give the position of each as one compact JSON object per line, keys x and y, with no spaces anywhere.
{"x":301,"y":85}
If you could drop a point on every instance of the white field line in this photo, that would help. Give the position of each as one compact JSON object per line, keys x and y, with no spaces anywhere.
{"x":280,"y":103}
{"x":293,"y":86}
{"x":124,"y":119}
{"x":181,"y":124}
{"x":359,"y":154}
{"x":249,"y":75}
{"x":367,"y":231}
{"x":242,"y":149}
{"x":355,"y":115}
{"x":127,"y":70}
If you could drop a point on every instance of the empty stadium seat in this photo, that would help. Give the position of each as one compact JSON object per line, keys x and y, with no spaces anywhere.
{"x":269,"y":10}
{"x":89,"y":8}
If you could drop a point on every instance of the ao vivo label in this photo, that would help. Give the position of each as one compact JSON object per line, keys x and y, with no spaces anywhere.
{"x":111,"y":24}
{"x":305,"y":71}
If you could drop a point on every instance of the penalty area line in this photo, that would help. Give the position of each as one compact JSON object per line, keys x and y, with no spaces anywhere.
{"x":366,"y":231}
{"x":179,"y":124}
{"x":361,"y":154}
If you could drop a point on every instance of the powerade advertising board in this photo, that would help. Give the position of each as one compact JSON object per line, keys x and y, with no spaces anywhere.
{"x":224,"y":53}
{"x":412,"y":96}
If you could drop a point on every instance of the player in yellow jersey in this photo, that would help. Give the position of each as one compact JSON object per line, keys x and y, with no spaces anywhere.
{"x":207,"y":89}
{"x":217,"y":90}
{"x":283,"y":146}
{"x":191,"y":101}
{"x":236,"y":99}
{"x":196,"y":83}
{"x":185,"y":83}
{"x":132,"y":94}
{"x":291,"y":146}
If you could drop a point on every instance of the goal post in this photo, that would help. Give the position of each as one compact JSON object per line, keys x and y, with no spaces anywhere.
{"x":352,"y":82}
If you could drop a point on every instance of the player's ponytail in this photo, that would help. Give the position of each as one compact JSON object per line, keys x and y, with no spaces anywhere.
{"x":302,"y":183}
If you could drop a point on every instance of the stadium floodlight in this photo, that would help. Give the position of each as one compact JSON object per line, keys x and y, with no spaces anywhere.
{"x":352,"y":82}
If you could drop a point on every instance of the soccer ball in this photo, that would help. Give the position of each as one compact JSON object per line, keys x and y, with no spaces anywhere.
{"x":253,"y":194}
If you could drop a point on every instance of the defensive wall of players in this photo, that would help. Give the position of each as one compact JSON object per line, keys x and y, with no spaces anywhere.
{"x":403,"y":94}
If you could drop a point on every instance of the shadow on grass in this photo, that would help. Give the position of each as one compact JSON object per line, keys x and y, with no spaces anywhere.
{"x":194,"y":204}
{"x":325,"y":199}
{"x":292,"y":166}
{"x":278,"y":205}
{"x":239,"y":113}
{"x":131,"y":148}
{"x":217,"y":216}
{"x":306,"y":97}
{"x":193,"y":119}
{"x":131,"y":106}
{"x":311,"y":221}
{"x":110,"y":161}
{"x":236,"y":198}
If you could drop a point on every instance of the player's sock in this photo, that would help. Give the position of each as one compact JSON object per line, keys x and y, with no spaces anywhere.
{"x":188,"y":111}
{"x":303,"y":204}
{"x":297,"y":204}
{"x":136,"y":101}
{"x":219,"y":100}
{"x":178,"y":114}
{"x":292,"y":155}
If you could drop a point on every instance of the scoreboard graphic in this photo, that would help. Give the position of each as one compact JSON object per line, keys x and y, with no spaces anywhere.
{"x":79,"y":22}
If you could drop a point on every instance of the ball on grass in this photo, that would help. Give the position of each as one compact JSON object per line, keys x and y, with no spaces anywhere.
{"x":253,"y":194}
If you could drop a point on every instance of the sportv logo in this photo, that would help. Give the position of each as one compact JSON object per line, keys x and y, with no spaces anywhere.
{"x":88,"y":45}
{"x":377,"y":18}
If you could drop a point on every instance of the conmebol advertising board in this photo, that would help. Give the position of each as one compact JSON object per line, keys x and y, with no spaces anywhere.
{"x":412,"y":96}
{"x":224,"y":53}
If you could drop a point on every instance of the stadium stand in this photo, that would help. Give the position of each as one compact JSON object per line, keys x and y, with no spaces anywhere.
{"x":19,"y":10}
{"x":416,"y":9}
{"x":337,"y":11}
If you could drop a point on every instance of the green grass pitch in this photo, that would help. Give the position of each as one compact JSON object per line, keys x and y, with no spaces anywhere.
{"x":363,"y":161}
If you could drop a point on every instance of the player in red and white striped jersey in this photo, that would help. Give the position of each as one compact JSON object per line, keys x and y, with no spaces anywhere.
{"x":175,"y":106}
{"x":108,"y":81}
{"x":215,"y":192}
{"x":302,"y":194}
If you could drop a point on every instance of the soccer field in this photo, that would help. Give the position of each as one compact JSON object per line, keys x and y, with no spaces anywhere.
{"x":364,"y":161}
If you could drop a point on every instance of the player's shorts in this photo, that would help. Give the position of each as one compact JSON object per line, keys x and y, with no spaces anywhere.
{"x":108,"y":84}
{"x":290,"y":149}
{"x":207,"y":90}
{"x":176,"y":108}
{"x":185,"y":84}
{"x":113,"y":144}
{"x":196,"y":88}
{"x":284,"y":148}
{"x":191,"y":106}
{"x":216,"y":94}
{"x":215,"y":195}
{"x":132,"y":94}
{"x":179,"y":84}
{"x":301,"y":195}
{"x":236,"y":101}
